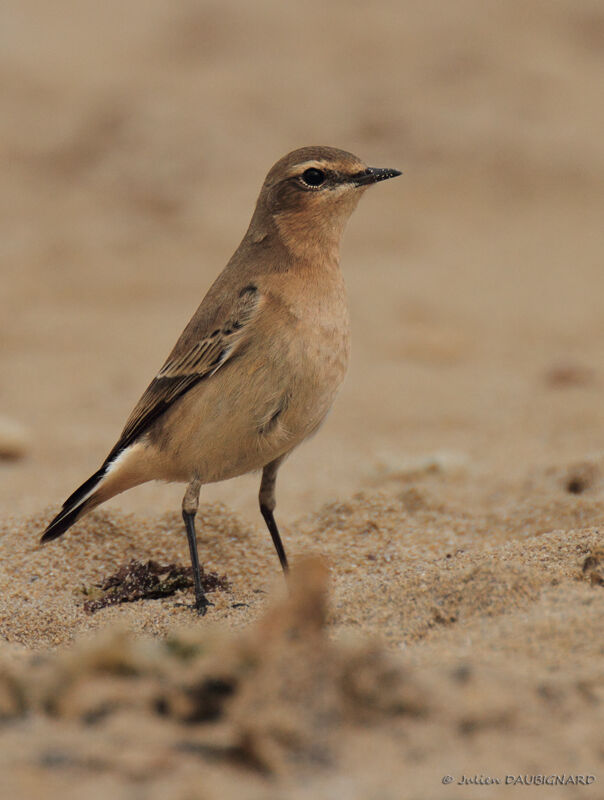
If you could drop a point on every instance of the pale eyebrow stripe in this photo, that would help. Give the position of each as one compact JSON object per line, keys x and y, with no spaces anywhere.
{"x":307,"y":165}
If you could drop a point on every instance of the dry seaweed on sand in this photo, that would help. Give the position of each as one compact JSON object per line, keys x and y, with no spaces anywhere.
{"x":147,"y":581}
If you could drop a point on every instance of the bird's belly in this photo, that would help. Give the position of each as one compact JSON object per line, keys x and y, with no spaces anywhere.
{"x":245,"y":417}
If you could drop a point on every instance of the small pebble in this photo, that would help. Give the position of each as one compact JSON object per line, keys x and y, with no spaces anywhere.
{"x":14,"y":439}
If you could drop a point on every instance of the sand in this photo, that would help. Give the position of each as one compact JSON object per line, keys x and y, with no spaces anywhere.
{"x":444,"y":526}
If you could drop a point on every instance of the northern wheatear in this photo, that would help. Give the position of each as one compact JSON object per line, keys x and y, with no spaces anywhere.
{"x":258,"y":366}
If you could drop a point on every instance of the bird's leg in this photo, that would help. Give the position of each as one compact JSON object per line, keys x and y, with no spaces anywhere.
{"x":190,"y":504}
{"x":267,"y":506}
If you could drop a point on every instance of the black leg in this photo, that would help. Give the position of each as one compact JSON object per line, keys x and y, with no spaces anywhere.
{"x":267,"y":506}
{"x":274,"y":532}
{"x":201,"y":601}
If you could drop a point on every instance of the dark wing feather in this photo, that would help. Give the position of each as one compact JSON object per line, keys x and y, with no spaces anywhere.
{"x":190,"y":362}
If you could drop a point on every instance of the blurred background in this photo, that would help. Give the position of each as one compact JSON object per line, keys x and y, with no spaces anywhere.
{"x":134,"y":140}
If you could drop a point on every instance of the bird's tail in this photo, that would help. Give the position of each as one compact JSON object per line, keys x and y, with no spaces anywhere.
{"x":121,"y":470}
{"x":81,"y":501}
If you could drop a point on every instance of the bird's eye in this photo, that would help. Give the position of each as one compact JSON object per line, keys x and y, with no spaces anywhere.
{"x":313,"y":177}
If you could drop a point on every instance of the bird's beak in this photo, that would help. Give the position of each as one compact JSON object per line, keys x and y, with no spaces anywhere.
{"x":374,"y":175}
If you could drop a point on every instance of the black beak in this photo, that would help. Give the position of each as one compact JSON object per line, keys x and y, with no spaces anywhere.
{"x":374,"y":175}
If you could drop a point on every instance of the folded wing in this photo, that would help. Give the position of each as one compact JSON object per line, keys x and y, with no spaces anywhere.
{"x":193,"y":359}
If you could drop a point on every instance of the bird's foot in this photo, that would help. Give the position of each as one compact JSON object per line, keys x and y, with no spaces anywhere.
{"x":200,"y":605}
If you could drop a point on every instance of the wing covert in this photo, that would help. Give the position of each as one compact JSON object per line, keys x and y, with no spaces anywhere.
{"x":192,"y":360}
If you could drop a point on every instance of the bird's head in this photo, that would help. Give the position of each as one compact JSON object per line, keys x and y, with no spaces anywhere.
{"x":310,"y":193}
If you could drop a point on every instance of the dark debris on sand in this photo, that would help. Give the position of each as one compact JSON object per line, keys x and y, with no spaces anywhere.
{"x":593,"y":566}
{"x":144,"y":581}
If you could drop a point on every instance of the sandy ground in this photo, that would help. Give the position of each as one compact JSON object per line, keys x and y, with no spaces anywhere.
{"x":455,"y":494}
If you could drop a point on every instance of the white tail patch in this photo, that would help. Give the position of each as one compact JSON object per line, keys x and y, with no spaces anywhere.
{"x":129,"y":468}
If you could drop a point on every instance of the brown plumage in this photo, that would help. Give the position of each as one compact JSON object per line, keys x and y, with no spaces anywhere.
{"x":258,"y":366}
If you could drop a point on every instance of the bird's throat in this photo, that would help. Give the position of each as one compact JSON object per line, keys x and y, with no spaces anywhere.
{"x":308,"y":239}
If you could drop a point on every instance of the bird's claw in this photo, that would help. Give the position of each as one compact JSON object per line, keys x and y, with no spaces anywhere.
{"x":200,"y":606}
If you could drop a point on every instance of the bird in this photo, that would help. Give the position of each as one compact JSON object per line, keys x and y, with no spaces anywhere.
{"x":257,"y":368}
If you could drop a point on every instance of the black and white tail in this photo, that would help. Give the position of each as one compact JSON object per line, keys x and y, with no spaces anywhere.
{"x":82,"y":500}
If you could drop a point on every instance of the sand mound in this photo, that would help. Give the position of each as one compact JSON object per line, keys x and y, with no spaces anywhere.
{"x":278,"y":705}
{"x":452,"y":638}
{"x":406,"y":564}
